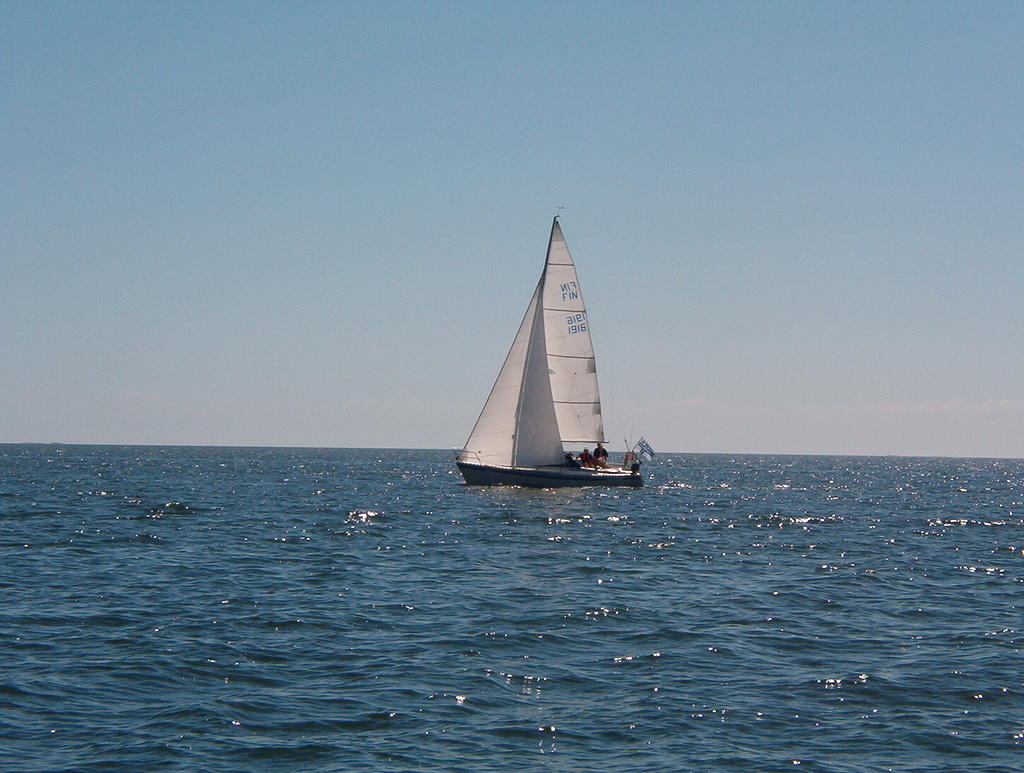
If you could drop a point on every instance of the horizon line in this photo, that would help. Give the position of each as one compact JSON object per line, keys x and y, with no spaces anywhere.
{"x":453,"y":449}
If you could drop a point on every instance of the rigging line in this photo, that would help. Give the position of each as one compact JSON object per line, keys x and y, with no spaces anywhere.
{"x":577,"y":402}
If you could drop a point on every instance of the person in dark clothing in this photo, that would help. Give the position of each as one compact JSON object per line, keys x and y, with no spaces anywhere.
{"x":600,"y":455}
{"x":569,"y":461}
{"x":585,"y":458}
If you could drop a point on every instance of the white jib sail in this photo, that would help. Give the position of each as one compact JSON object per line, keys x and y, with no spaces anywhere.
{"x":571,"y":363}
{"x":537,"y":441}
{"x":518,"y":397}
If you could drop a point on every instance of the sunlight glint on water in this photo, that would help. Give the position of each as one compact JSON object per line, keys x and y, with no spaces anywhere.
{"x":314,"y":609}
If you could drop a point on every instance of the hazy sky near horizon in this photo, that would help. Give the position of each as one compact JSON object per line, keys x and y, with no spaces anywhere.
{"x":798,"y":225}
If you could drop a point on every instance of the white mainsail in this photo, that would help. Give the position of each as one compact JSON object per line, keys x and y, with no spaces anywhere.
{"x":546,"y":392}
{"x":571,"y":363}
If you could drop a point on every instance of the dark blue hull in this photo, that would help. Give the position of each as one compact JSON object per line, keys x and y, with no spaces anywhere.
{"x":545,"y":477}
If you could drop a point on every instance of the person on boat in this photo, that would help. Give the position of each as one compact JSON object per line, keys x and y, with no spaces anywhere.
{"x":570,"y":461}
{"x":586,"y":460}
{"x":600,"y":455}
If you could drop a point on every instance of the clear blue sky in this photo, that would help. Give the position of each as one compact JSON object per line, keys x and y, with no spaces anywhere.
{"x":798,"y":224}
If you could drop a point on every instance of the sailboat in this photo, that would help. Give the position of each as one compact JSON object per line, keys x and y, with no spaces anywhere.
{"x":546,"y":394}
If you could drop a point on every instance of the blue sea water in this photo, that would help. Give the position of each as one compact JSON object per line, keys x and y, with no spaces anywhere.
{"x":247,"y":609}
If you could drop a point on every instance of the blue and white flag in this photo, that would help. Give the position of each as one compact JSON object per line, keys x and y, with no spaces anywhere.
{"x":645,"y":449}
